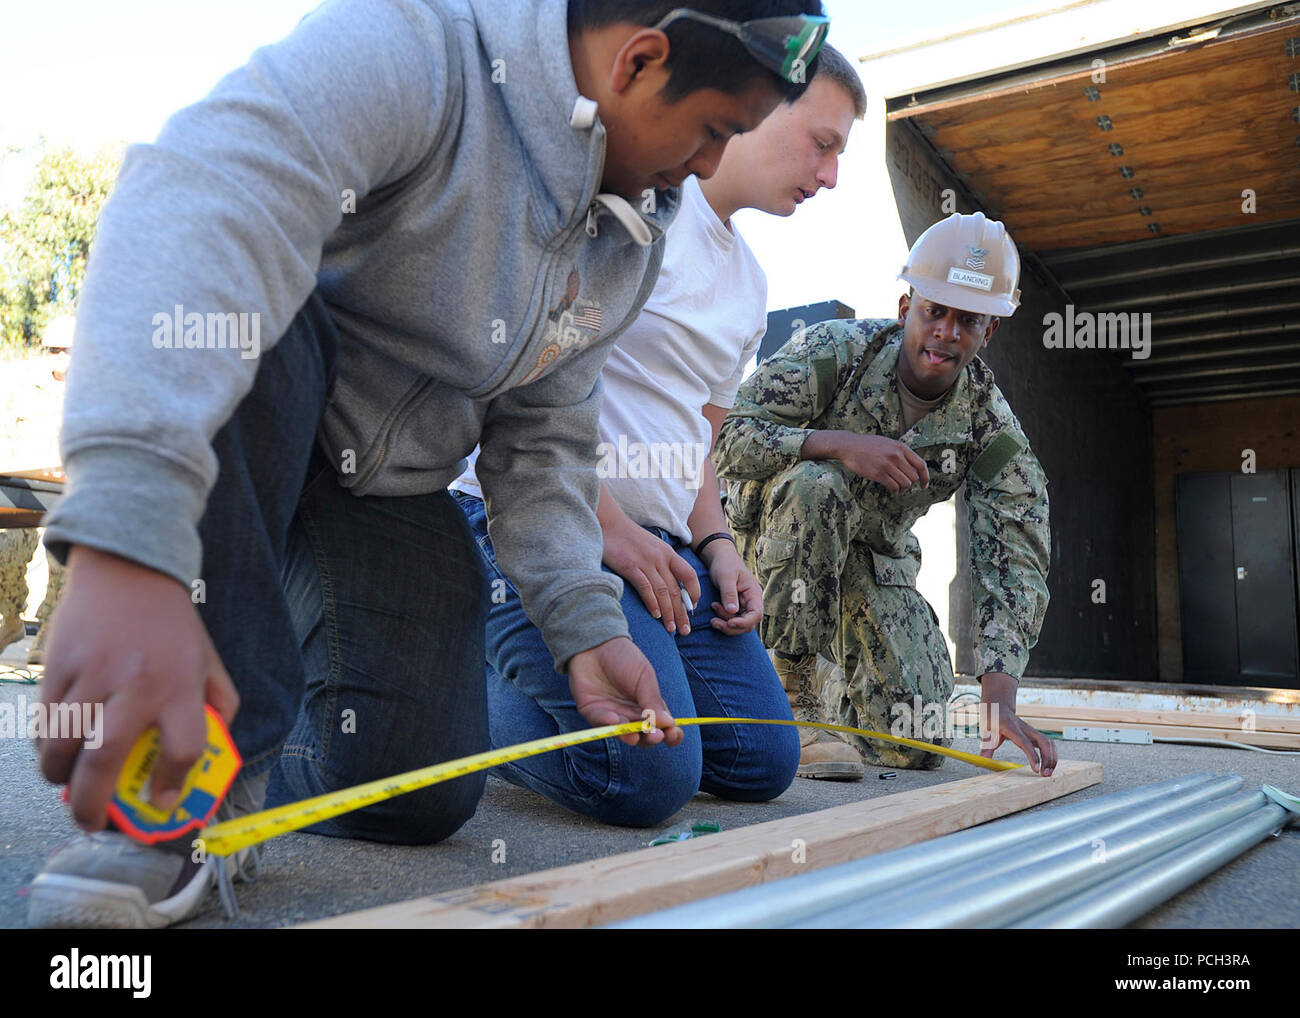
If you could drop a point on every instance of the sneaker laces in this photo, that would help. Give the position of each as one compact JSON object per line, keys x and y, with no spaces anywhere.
{"x":241,"y":801}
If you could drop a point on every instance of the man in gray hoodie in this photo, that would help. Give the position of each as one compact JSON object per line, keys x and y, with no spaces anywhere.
{"x":409,"y":227}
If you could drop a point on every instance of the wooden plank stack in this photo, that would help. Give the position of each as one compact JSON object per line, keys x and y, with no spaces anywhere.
{"x":1248,"y":727}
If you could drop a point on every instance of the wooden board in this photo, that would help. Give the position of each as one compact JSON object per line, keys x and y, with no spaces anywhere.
{"x":1178,"y":718}
{"x":1186,"y":121}
{"x":617,"y":887}
{"x":26,"y":496}
{"x":18,"y":519}
{"x":50,"y":478}
{"x":1269,"y":740}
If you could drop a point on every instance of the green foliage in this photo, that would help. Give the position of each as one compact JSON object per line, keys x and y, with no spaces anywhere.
{"x":45,"y":240}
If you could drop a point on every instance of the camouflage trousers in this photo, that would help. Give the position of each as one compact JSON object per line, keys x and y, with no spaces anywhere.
{"x":53,"y":589}
{"x":16,"y":550}
{"x":826,"y":592}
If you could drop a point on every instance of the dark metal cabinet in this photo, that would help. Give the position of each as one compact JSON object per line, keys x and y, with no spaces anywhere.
{"x":1265,"y":576}
{"x":1237,"y":577}
{"x":781,"y":325}
{"x":1209,"y":608}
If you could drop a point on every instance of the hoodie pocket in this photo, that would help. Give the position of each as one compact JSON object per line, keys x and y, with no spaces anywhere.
{"x":377,"y":455}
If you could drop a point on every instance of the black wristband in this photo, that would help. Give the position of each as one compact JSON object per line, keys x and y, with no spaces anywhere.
{"x":721,"y":534}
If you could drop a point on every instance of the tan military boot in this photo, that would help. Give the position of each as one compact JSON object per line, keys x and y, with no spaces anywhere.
{"x":11,"y":630}
{"x":822,"y":754}
{"x":36,"y":656}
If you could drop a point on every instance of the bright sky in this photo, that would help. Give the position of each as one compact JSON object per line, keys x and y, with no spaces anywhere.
{"x":90,"y":72}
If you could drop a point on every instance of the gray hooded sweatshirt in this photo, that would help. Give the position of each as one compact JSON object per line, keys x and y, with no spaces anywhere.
{"x":431,"y":167}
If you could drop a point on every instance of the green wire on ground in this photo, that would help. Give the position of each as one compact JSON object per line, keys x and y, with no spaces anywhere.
{"x":26,"y":677}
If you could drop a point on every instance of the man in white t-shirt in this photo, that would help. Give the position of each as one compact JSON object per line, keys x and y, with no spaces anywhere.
{"x":691,"y":604}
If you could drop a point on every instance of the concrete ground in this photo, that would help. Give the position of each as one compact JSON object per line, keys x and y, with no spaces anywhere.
{"x":310,"y":877}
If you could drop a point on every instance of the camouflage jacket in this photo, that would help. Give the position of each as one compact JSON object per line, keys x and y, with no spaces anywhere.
{"x":840,"y":375}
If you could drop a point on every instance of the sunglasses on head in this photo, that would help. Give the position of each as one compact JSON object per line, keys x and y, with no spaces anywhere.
{"x":785,"y":45}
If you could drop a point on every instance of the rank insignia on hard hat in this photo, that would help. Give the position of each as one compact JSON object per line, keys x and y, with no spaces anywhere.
{"x":976,"y":259}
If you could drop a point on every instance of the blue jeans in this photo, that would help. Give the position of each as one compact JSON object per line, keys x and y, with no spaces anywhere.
{"x":703,"y":673}
{"x":351,"y":626}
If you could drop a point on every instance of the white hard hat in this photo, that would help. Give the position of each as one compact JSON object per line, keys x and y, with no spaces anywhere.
{"x":58,"y":333}
{"x":966,"y":262}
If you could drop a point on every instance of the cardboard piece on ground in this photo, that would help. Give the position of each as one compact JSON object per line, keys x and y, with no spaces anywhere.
{"x":616,"y":887}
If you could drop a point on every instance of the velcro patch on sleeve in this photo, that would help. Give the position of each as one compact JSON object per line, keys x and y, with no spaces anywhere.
{"x":824,"y":371}
{"x":996,"y":455}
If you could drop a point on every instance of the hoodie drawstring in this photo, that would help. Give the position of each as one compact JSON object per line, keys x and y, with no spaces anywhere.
{"x":624,"y":213}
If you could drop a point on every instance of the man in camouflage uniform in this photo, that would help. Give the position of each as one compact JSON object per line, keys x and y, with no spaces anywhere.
{"x":57,"y":340}
{"x":18,"y":546}
{"x":53,"y":592}
{"x":839,"y":443}
{"x":16,"y":550}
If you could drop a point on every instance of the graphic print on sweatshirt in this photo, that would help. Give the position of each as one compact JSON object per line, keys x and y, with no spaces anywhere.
{"x":570,"y":327}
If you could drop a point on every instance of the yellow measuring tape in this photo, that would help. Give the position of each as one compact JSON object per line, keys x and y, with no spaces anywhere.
{"x":232,"y":835}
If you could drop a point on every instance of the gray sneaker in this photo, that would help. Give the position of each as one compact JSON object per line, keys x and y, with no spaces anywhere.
{"x":105,"y":880}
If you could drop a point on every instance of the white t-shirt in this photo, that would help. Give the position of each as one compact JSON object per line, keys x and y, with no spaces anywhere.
{"x":689,"y":346}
